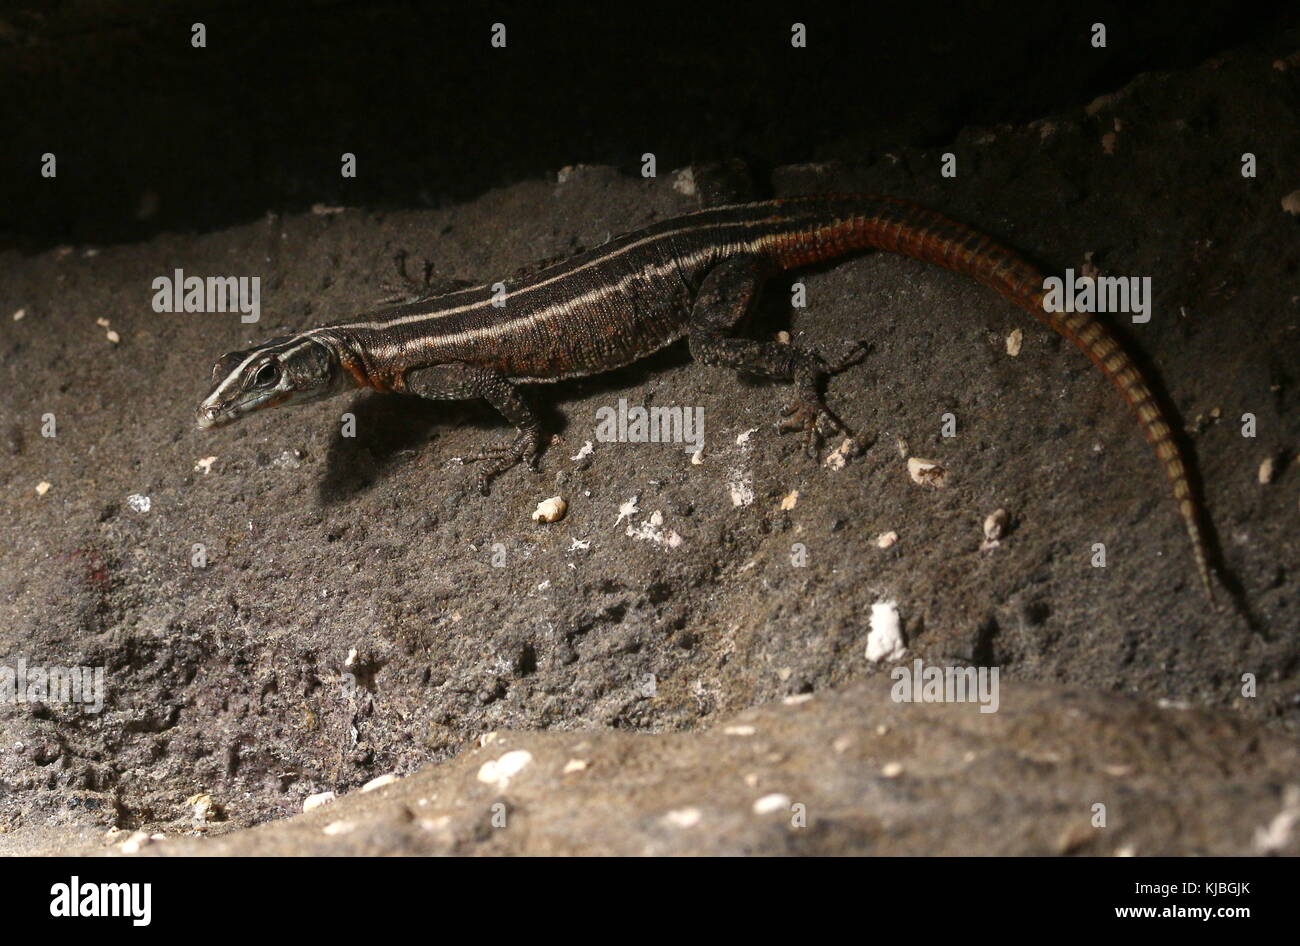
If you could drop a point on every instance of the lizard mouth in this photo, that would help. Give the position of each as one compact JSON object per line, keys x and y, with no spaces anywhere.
{"x":208,"y":417}
{"x":215,"y":414}
{"x":211,"y":415}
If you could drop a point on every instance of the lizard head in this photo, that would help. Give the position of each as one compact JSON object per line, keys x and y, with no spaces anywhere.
{"x":286,"y":370}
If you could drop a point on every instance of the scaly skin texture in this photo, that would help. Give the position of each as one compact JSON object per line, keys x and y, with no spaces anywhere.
{"x":694,"y":276}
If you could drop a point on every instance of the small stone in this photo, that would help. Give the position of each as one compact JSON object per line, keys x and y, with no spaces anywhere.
{"x":201,"y":807}
{"x":550,"y":510}
{"x":770,"y":804}
{"x":1267,"y":470}
{"x":317,"y":800}
{"x":995,"y":524}
{"x":837,"y":458}
{"x":995,"y":527}
{"x":388,"y":778}
{"x":135,"y":842}
{"x":684,"y":817}
{"x":1014,"y":341}
{"x":926,"y":473}
{"x":500,"y":771}
{"x":885,"y":638}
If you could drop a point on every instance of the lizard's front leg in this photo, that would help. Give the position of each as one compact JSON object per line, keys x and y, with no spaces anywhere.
{"x":729,"y":292}
{"x":461,"y":382}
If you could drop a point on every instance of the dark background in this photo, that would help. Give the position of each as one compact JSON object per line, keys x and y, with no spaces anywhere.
{"x":153,"y":135}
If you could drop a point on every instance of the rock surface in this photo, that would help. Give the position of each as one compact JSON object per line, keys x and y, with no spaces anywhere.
{"x":853,"y":772}
{"x":363,"y":611}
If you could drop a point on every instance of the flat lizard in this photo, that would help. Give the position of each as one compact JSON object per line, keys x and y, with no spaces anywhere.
{"x":694,"y":276}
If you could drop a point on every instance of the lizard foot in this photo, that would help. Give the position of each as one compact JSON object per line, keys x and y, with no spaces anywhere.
{"x":809,"y":413}
{"x":523,"y":449}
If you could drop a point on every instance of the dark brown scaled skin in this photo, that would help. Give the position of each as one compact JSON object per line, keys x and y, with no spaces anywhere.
{"x":695,"y":277}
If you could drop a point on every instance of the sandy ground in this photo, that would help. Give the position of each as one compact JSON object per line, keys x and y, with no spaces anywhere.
{"x":363,"y":611}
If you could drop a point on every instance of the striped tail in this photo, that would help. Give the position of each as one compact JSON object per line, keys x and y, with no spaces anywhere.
{"x":898,"y":226}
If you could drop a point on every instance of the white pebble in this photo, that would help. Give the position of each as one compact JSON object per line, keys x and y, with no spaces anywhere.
{"x":500,"y":771}
{"x":770,"y":804}
{"x":995,"y":527}
{"x":550,"y":510}
{"x":388,"y":778}
{"x":837,"y":458}
{"x":684,"y":817}
{"x":1267,"y":470}
{"x":136,"y":841}
{"x":315,"y":801}
{"x":885,"y":639}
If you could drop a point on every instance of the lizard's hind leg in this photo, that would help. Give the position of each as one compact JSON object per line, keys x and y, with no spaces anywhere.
{"x":727,"y":295}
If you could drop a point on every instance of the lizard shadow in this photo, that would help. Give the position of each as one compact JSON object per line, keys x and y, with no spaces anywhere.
{"x":387,"y":427}
{"x":393,"y":430}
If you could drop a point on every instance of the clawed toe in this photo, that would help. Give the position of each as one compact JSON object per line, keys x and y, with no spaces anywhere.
{"x":502,"y":457}
{"x":857,"y":354}
{"x":810,"y":414}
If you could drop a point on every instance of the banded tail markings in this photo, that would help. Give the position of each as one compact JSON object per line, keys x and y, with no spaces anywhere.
{"x":898,"y":226}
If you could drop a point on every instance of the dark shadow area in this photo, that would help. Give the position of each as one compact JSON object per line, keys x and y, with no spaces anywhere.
{"x":388,"y":428}
{"x":151,"y":134}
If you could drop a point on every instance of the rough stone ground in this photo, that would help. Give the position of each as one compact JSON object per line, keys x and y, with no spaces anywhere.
{"x":235,"y":680}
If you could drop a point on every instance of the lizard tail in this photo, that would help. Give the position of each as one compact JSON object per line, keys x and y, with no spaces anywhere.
{"x":902,"y":227}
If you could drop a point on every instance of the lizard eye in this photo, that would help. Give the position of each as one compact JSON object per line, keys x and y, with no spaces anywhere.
{"x":267,"y":375}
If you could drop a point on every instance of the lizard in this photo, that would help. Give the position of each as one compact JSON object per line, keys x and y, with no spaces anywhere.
{"x":695,"y":276}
